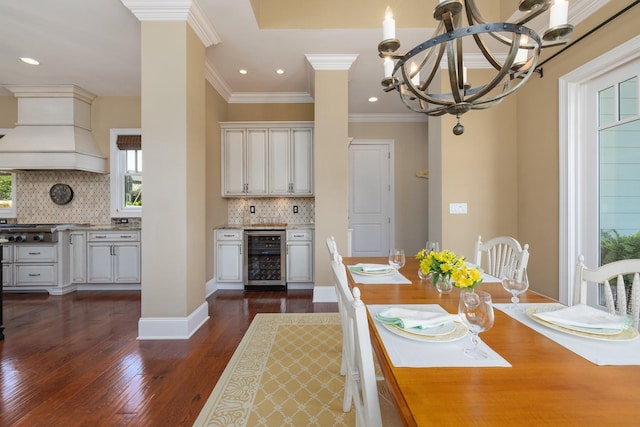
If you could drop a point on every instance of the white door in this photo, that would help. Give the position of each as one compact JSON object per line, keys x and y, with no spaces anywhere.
{"x":599,"y":162}
{"x":371,"y":196}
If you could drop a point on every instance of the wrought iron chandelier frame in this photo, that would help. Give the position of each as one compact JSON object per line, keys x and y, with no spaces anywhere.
{"x":413,"y":84}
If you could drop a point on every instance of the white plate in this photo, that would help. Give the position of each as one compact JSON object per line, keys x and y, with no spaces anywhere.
{"x":626,"y":335}
{"x":353,"y":269}
{"x":458,"y":332}
{"x":442,"y":329}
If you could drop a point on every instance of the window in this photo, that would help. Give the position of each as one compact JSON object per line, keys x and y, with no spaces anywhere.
{"x":7,"y":195}
{"x":619,"y":168}
{"x":7,"y":191}
{"x":126,"y":173}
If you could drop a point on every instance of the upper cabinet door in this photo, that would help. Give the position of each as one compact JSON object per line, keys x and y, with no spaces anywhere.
{"x":233,"y":166}
{"x":302,"y":161}
{"x":256,"y":162}
{"x":279,"y":161}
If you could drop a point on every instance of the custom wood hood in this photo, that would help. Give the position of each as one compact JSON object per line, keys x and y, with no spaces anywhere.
{"x":53,"y":131}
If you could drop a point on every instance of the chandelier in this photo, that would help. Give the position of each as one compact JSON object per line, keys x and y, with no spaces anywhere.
{"x":511,"y":48}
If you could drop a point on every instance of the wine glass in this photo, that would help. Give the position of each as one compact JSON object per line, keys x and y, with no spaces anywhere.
{"x":432,"y":246}
{"x":396,"y":258}
{"x":476,"y":312}
{"x":515,"y":281}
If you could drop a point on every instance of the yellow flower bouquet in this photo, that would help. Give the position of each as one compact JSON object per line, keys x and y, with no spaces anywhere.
{"x":445,"y":266}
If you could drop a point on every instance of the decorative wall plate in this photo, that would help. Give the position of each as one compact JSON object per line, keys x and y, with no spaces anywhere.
{"x":61,"y":194}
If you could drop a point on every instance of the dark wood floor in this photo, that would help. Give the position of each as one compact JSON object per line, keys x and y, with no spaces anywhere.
{"x":74,"y":360}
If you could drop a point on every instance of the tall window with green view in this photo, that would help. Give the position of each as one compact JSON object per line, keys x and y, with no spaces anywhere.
{"x":126,"y":173}
{"x":619,"y":170}
{"x":133,"y":177}
{"x":7,"y":195}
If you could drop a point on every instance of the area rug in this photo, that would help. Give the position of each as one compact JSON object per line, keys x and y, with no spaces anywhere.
{"x":285,"y":372}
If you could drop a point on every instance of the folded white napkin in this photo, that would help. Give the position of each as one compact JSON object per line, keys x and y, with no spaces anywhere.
{"x":406,"y":318}
{"x":584,"y":316}
{"x":372,"y":268}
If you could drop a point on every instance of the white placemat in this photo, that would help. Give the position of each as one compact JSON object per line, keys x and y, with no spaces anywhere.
{"x":395,"y":278}
{"x":405,"y":352}
{"x":596,"y":351}
{"x":486,"y":278}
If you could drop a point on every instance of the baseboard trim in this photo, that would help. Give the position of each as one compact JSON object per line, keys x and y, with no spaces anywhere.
{"x":324,"y":294}
{"x":173,"y":328}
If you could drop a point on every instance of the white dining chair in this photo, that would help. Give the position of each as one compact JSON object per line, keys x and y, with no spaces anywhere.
{"x":604,"y":275}
{"x":331,"y":246}
{"x":337,"y":258}
{"x":369,"y":397}
{"x":502,"y":252}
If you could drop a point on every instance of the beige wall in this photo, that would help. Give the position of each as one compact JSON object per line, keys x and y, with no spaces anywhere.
{"x":109,"y":112}
{"x":216,"y":206}
{"x":331,"y":166}
{"x":8,"y":112}
{"x":173,"y":128}
{"x":270,"y":112}
{"x":538,"y":150}
{"x":479,"y":168}
{"x":411,"y":193}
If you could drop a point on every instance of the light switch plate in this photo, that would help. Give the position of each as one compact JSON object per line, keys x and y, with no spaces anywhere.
{"x":457,"y":208}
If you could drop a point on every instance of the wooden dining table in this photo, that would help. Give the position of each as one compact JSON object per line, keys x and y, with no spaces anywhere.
{"x":546,"y":385}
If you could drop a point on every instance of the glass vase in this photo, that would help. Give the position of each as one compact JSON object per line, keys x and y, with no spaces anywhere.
{"x":423,"y":276}
{"x":444,"y":285}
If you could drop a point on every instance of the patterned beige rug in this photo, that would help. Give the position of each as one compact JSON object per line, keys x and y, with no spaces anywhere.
{"x":285,"y":372}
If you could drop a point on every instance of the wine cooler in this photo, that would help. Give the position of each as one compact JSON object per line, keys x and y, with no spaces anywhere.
{"x":264,"y":259}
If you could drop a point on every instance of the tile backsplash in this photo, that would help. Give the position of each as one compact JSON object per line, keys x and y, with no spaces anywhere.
{"x":279,"y":209}
{"x":90,"y":203}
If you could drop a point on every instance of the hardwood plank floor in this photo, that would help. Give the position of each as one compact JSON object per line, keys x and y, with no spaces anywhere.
{"x":74,"y":360}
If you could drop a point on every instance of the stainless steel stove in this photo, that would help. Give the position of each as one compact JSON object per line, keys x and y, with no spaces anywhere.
{"x":28,"y":233}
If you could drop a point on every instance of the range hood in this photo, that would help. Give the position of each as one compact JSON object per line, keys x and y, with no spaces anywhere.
{"x":53,"y":131}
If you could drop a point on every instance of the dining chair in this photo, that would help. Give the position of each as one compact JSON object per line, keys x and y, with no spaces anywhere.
{"x":337,"y":258}
{"x":616,"y":298}
{"x":362,"y":390}
{"x":501,"y":252}
{"x":331,"y":246}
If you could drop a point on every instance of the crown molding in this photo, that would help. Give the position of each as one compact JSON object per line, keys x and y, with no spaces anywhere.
{"x":388,"y":118}
{"x":175,"y":10}
{"x":271,"y":98}
{"x":331,"y":62}
{"x":216,"y":81}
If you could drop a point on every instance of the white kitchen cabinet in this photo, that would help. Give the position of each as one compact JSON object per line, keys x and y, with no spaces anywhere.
{"x":244,"y":162}
{"x":267,"y":159}
{"x":299,"y":256}
{"x":78,"y":256}
{"x":7,"y":259}
{"x":35,"y":265}
{"x":113,"y":257}
{"x":228,"y":256}
{"x":290,"y":161}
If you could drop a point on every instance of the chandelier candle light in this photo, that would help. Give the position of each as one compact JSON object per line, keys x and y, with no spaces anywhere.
{"x":511,"y":48}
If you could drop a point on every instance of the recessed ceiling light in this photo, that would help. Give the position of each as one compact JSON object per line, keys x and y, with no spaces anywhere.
{"x":29,"y":61}
{"x":279,"y":71}
{"x":243,"y":71}
{"x":373,"y":99}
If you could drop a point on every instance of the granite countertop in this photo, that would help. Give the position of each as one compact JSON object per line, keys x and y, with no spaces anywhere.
{"x":309,"y":226}
{"x":96,"y":227}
